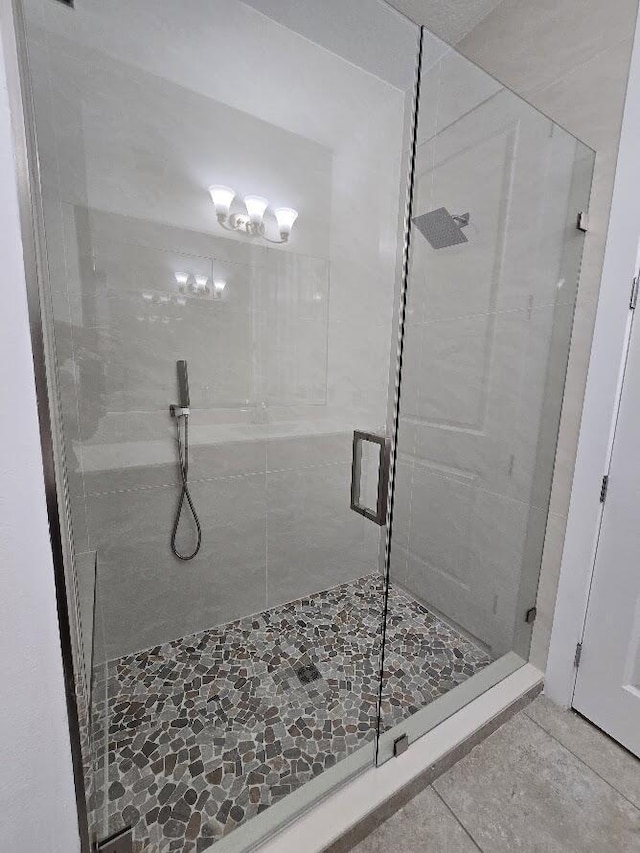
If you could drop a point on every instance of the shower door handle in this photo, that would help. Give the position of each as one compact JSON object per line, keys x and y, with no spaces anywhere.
{"x":377,"y":514}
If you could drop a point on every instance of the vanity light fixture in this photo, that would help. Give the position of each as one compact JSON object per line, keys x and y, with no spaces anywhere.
{"x":251,"y":223}
{"x":197,"y":285}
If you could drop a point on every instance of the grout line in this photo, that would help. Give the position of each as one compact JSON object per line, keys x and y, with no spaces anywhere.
{"x":143,"y":487}
{"x":582,"y":761}
{"x":422,"y":463}
{"x":500,"y":312}
{"x":455,"y":817}
{"x":247,"y":616}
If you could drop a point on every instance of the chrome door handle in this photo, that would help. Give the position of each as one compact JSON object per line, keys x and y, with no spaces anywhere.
{"x":378,"y":514}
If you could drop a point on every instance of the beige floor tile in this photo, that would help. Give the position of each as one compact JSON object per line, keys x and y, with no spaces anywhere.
{"x":616,"y":765}
{"x":424,"y":824}
{"x":522,"y":790}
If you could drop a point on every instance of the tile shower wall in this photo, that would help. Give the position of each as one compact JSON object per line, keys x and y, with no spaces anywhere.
{"x":282,"y":369}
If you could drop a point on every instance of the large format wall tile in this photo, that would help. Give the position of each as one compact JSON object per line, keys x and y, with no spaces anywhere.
{"x":306,"y":451}
{"x":554,"y":39}
{"x":488,"y":398}
{"x":471,"y":554}
{"x":293,"y":356}
{"x":148,"y":596}
{"x":315,"y":540}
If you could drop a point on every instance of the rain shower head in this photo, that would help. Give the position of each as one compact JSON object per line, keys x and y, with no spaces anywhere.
{"x":441,"y":228}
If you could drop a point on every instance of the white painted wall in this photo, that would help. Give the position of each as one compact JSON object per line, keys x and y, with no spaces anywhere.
{"x":37,"y":810}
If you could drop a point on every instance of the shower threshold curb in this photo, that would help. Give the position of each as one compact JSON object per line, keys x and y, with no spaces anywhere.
{"x":345,"y":817}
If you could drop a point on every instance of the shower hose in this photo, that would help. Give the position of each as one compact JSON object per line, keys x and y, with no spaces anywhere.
{"x":185,"y":495}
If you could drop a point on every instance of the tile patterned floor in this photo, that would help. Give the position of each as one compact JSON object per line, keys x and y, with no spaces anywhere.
{"x":209,"y":730}
{"x":546,"y":780}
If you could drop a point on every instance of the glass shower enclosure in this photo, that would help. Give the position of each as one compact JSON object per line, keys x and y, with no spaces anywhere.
{"x":365,"y":249}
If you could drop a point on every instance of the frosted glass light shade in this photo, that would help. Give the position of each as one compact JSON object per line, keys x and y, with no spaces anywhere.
{"x":201,"y":282}
{"x":256,"y":206}
{"x":182,"y":278}
{"x":219,"y":285}
{"x":222,"y":198}
{"x":285,"y":217}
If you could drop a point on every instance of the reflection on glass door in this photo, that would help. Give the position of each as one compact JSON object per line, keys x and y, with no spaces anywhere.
{"x":493,"y":274}
{"x":223,"y":185}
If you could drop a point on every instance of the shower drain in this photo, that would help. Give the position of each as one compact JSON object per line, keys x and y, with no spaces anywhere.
{"x":307,"y":673}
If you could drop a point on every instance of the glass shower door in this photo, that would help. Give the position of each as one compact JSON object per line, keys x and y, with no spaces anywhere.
{"x":495,"y":253}
{"x":223,"y":184}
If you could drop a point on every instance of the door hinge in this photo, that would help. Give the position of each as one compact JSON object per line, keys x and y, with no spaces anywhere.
{"x":604,"y":488}
{"x":578,"y":655}
{"x":121,"y":842}
{"x":633,"y":301}
{"x":582,"y":221}
{"x":530,"y":615}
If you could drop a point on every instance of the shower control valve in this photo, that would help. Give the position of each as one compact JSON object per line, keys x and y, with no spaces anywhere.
{"x":179,"y":411}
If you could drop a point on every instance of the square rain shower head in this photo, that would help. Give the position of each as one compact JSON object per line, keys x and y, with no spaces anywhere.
{"x":440,"y":228}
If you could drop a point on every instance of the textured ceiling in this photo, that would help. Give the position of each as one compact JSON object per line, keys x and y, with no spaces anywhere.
{"x":451,"y":20}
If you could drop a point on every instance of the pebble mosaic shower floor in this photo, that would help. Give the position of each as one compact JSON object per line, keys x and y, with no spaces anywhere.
{"x":206,"y":731}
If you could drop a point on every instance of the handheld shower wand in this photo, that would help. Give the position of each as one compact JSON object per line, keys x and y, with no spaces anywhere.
{"x":181,"y":414}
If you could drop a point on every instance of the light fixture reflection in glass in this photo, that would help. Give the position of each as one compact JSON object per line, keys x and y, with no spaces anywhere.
{"x":252,"y":223}
{"x":218,"y":287}
{"x":285,"y":217}
{"x":256,"y":206}
{"x":201,"y":282}
{"x":182,"y":278}
{"x":222,"y":198}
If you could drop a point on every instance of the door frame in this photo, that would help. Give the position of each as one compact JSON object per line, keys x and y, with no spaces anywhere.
{"x":604,"y":382}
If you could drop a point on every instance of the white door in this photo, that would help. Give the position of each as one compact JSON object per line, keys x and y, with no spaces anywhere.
{"x":608,"y":684}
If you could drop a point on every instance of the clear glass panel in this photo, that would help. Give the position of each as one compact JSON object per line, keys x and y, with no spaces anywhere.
{"x":494,"y":266}
{"x":225,"y":685}
{"x":245,"y":681}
